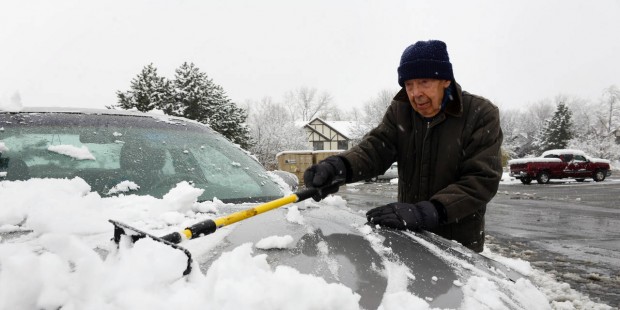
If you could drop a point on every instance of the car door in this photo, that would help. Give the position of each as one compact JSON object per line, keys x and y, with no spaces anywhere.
{"x":569,"y":169}
{"x":580,"y":166}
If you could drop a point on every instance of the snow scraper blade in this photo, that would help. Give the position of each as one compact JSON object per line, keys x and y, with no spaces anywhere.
{"x":136,"y":234}
{"x":209,"y":226}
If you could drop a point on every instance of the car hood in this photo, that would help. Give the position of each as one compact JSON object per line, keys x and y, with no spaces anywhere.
{"x":336,"y":244}
{"x":61,"y":224}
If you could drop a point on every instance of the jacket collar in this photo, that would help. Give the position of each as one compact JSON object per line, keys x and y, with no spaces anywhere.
{"x":454,"y":107}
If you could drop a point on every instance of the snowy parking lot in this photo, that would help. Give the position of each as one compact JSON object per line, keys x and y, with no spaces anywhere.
{"x":566,"y":228}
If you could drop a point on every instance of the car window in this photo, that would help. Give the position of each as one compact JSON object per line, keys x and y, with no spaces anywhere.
{"x":567,"y":158}
{"x":579,"y":158}
{"x":106,"y":150}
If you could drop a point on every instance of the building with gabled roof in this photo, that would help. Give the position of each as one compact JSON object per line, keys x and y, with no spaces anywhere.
{"x":329,"y":135}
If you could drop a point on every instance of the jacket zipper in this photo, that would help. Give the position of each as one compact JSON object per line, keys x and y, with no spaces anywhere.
{"x":428,"y":128}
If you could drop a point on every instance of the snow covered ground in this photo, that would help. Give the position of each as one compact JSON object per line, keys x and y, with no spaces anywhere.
{"x":56,"y":265}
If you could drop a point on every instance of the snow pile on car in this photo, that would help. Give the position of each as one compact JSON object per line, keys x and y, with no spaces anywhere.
{"x":56,"y":231}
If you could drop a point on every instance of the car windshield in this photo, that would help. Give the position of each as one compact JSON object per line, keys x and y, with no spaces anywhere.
{"x":152,"y":153}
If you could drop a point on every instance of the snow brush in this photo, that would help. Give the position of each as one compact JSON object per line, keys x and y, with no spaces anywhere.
{"x":208,"y":227}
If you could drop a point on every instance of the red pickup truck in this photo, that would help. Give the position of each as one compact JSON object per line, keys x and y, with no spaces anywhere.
{"x":559,"y":164}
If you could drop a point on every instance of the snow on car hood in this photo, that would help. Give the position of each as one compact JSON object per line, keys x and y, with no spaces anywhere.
{"x":56,"y":229}
{"x":56,"y":264}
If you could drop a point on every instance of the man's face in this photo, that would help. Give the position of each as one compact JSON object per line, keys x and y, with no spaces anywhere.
{"x":426,"y":95}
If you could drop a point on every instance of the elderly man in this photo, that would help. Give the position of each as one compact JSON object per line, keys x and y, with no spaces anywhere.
{"x":447,"y":145}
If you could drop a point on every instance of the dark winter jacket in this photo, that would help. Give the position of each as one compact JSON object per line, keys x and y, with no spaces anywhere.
{"x":453,"y":161}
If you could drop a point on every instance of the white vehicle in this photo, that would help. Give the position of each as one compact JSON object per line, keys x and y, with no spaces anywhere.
{"x":391,"y":173}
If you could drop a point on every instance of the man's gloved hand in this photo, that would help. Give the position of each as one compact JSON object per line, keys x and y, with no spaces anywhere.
{"x":323,"y":176}
{"x":400,"y":215}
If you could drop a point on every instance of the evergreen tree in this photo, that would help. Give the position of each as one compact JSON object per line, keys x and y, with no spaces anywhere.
{"x":148,"y":91}
{"x":558,"y":131}
{"x":197,"y":97}
{"x":231,"y":122}
{"x":191,"y":95}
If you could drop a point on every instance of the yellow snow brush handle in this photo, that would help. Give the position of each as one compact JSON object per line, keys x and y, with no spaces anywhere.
{"x":209,"y":226}
{"x":242,"y":215}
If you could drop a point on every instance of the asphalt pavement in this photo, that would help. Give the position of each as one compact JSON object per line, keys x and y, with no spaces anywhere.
{"x":569,"y":229}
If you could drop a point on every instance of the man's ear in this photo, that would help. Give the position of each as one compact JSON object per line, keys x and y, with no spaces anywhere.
{"x":446,"y":83}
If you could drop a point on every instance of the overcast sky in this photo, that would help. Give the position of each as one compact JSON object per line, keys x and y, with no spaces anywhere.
{"x":79,"y":53}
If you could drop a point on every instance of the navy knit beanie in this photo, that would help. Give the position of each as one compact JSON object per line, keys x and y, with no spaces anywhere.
{"x":425,"y":60}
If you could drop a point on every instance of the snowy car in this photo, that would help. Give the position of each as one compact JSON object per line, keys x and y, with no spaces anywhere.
{"x":65,"y":172}
{"x":389,"y":174}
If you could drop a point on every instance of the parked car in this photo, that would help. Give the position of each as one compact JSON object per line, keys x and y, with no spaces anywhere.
{"x":390,"y":173}
{"x":559,"y":164}
{"x":107,"y":147}
{"x":65,"y":172}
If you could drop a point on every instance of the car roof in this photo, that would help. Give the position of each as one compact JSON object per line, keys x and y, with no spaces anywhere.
{"x":73,"y":110}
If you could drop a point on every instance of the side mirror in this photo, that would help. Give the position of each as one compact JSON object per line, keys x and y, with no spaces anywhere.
{"x":289,"y":178}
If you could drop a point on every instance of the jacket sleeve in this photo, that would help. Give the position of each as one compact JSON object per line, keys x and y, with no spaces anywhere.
{"x":377,"y":150}
{"x":480,"y":169}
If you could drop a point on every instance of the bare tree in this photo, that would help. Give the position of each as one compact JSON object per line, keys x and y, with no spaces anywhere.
{"x":539,"y":112}
{"x":372,"y":112}
{"x":510,"y":121}
{"x":584,"y":121}
{"x":531,"y":126}
{"x":611,"y":99}
{"x":306,"y":103}
{"x":595,"y":124}
{"x":375,"y":108}
{"x":273,"y":130}
{"x":332,"y":113}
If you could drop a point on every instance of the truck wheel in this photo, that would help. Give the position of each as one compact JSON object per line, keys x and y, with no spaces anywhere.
{"x":543,"y":178}
{"x":599,"y":175}
{"x":526,"y":181}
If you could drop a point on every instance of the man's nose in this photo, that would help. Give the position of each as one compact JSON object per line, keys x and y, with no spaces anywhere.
{"x":416,"y":91}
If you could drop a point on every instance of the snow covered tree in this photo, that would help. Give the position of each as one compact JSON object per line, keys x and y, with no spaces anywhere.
{"x":190,"y":89}
{"x":598,"y":146}
{"x":305,"y":103}
{"x":376,"y":107}
{"x":558,"y":131}
{"x":332,"y":113}
{"x":510,"y":120}
{"x":273,"y":131}
{"x":148,"y":91}
{"x":197,"y":97}
{"x":230,"y":121}
{"x":372,"y":112}
{"x":595,"y":124}
{"x":584,"y":121}
{"x":523,"y":130}
{"x":610,"y":116}
{"x":191,"y":95}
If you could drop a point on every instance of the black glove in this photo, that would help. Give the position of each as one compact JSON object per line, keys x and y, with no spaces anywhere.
{"x":326,"y":176}
{"x":400,"y":215}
